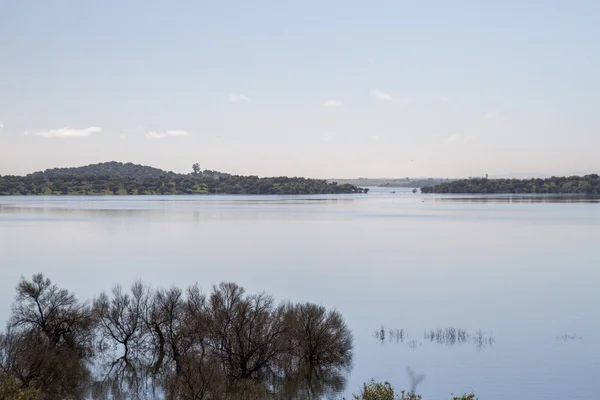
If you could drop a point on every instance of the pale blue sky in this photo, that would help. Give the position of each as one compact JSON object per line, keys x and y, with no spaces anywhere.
{"x":313,"y":88}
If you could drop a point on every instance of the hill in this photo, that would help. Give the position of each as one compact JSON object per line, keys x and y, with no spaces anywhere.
{"x":588,"y":184}
{"x":111,"y":168}
{"x":126,"y":178}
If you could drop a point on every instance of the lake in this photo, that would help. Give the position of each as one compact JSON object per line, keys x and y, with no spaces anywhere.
{"x":519,"y":274}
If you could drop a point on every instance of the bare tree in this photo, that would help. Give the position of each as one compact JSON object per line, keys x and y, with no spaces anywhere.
{"x":247,"y":333}
{"x":56,"y":313}
{"x":48,"y":340}
{"x":199,"y":377}
{"x":123,"y":337}
{"x":166,"y":319}
{"x":323,"y":338}
{"x":224,"y":346}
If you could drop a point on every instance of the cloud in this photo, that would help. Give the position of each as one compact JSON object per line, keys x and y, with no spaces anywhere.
{"x":170,"y":133}
{"x":123,"y":137}
{"x":1,"y":125}
{"x":332,"y":103}
{"x":452,"y":139}
{"x":177,"y":133}
{"x":375,"y":138}
{"x":64,"y":132}
{"x":378,"y":94}
{"x":490,"y":115}
{"x":238,"y":98}
{"x":156,"y":135}
{"x":444,"y":99}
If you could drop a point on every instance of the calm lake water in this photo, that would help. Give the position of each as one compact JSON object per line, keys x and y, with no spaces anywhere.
{"x":523,"y":271}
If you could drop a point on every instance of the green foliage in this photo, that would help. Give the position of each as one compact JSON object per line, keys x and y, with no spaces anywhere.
{"x":10,"y":389}
{"x":383,"y":391}
{"x":118,"y":178}
{"x":470,"y":396}
{"x":588,"y":184}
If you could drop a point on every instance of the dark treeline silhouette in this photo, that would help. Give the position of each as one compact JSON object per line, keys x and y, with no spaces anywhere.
{"x":171,"y":344}
{"x":588,"y":184}
{"x":118,"y":178}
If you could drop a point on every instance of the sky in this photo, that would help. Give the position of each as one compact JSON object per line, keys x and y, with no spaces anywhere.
{"x":323,"y":89}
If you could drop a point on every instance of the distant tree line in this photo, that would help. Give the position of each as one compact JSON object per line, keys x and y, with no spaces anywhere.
{"x":181,"y":344}
{"x":588,"y":184}
{"x":131,"y":179}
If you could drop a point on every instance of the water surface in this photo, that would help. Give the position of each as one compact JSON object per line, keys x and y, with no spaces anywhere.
{"x":523,"y":270}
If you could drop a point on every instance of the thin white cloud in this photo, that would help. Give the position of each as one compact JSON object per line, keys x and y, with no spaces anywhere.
{"x":444,"y":99}
{"x":177,"y":133}
{"x":64,"y":132}
{"x":332,"y":103}
{"x":123,"y":137}
{"x":378,"y":94}
{"x":1,"y":125}
{"x":238,"y":98}
{"x":165,"y":134}
{"x":452,"y":139}
{"x":490,"y":115}
{"x":375,"y":138}
{"x":156,"y":135}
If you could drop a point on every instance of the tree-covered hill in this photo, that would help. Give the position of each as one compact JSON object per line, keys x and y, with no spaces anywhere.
{"x":111,"y":168}
{"x":127,"y":178}
{"x":588,"y":184}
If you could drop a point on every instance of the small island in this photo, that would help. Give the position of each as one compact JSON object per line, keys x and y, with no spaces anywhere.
{"x":116,"y":178}
{"x":588,"y":185}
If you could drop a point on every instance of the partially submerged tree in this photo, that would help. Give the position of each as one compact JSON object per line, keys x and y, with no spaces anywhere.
{"x":48,"y":341}
{"x":122,"y":337}
{"x":246,"y":332}
{"x":225,"y":345}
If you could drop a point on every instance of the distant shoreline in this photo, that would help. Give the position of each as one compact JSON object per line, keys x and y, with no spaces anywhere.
{"x":415,"y":183}
{"x":582,"y":185}
{"x":116,"y":178}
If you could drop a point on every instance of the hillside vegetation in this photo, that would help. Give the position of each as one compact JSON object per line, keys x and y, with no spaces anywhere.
{"x":113,"y":168}
{"x":131,"y":179}
{"x":392,"y":182}
{"x":588,"y":184}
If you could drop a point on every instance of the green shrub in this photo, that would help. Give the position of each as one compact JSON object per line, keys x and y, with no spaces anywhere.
{"x":470,"y":396}
{"x":10,"y":389}
{"x":385,"y":391}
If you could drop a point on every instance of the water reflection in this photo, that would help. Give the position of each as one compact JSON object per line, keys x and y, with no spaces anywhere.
{"x":492,"y":198}
{"x":568,"y":337}
{"x":305,"y":384}
{"x":447,"y":336}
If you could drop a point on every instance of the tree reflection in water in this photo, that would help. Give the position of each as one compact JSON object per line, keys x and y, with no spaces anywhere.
{"x":171,"y":344}
{"x":447,"y":336}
